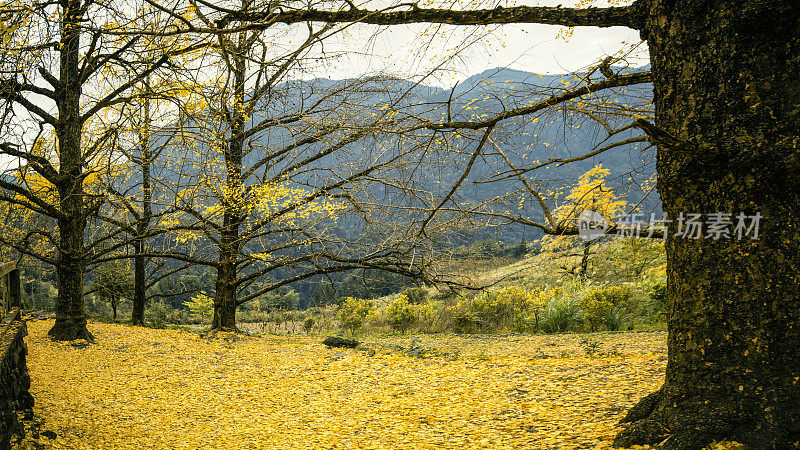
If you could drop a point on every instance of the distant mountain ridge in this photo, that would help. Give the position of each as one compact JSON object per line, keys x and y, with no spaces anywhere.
{"x":555,"y":134}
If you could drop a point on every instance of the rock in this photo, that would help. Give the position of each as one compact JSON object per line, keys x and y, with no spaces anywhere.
{"x":338,"y":341}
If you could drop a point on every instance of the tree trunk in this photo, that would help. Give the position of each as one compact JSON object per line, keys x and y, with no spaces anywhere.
{"x":225,"y":301}
{"x":726,"y":83}
{"x":585,"y":260}
{"x":225,"y":298}
{"x":70,"y":318}
{"x":139,"y":244}
{"x":139,"y":287}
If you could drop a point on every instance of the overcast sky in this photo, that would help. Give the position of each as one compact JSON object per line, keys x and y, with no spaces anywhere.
{"x":408,"y":51}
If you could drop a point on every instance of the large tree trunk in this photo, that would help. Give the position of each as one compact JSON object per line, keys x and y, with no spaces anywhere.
{"x":727,"y":84}
{"x":142,"y":225}
{"x":70,"y":317}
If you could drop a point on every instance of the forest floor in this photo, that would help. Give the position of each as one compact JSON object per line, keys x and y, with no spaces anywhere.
{"x":146,"y":388}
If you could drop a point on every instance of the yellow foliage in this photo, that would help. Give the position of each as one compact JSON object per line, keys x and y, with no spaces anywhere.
{"x":591,"y":193}
{"x":140,"y":388}
{"x":353,"y":312}
{"x":201,"y":306}
{"x":400,"y":315}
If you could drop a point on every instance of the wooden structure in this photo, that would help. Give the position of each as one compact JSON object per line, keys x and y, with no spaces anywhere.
{"x":9,"y":288}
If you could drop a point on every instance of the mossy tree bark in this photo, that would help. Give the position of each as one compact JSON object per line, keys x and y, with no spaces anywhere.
{"x":70,"y":315}
{"x":726,"y":85}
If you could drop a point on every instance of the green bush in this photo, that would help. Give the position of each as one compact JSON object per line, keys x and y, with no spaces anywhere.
{"x":253,"y":316}
{"x":201,"y":306}
{"x":605,"y":307}
{"x":465,"y":324}
{"x":658,"y":297}
{"x":415,"y":295}
{"x":427,"y":314}
{"x":512,"y":308}
{"x":560,"y":315}
{"x":308,"y":325}
{"x":157,"y":314}
{"x":353,"y":312}
{"x":615,"y":319}
{"x":596,"y":309}
{"x":489,"y":308}
{"x":616,"y":295}
{"x":400,"y":315}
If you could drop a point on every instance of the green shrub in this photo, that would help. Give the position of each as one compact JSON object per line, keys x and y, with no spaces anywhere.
{"x":158,"y":314}
{"x":595,"y":310}
{"x":181,"y":317}
{"x":605,"y":307}
{"x":615,"y":319}
{"x":466,"y":324}
{"x":512,"y":308}
{"x":489,"y":308}
{"x":415,"y":295}
{"x":201,"y":306}
{"x":308,"y":325}
{"x":353,"y":312}
{"x":400,"y":315}
{"x":253,"y":316}
{"x":658,"y":301}
{"x":560,"y":315}
{"x":616,"y":295}
{"x":427,"y":314}
{"x":538,"y":302}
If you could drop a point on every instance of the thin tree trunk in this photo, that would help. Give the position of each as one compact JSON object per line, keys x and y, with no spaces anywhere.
{"x":140,"y":244}
{"x":585,"y":259}
{"x":139,"y":287}
{"x":726,"y":83}
{"x":225,"y":302}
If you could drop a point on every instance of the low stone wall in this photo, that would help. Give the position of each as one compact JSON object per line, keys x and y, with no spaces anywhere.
{"x":15,"y":400}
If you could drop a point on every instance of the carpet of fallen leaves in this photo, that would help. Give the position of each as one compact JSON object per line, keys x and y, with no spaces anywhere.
{"x":145,"y":388}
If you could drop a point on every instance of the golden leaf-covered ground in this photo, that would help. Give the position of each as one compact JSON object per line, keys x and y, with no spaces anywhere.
{"x":145,"y":388}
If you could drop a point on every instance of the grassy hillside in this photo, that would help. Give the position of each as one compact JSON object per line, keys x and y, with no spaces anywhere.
{"x":621,"y":288}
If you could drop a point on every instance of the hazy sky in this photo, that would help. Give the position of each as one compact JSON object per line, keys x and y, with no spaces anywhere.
{"x":407,"y":50}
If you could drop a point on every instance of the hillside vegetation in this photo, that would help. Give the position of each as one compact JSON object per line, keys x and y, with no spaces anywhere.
{"x":622,"y":289}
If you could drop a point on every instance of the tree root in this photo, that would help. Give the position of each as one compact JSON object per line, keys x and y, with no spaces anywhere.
{"x":656,"y":421}
{"x":68,"y":329}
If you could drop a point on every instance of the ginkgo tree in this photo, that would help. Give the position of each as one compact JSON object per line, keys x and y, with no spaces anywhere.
{"x":64,"y":66}
{"x":590,"y":196}
{"x":267,"y":172}
{"x":726,"y":129}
